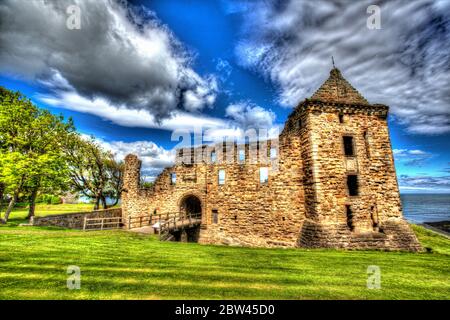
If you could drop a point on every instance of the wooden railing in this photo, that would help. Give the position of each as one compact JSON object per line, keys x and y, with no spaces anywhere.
{"x":176,"y":220}
{"x":141,"y":221}
{"x":102,"y":223}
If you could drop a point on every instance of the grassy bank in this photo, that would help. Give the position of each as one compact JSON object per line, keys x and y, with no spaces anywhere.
{"x":122,"y":265}
{"x":20,"y":212}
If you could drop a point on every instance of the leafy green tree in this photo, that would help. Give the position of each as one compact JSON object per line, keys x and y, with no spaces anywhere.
{"x":94,"y":172}
{"x":31,"y":149}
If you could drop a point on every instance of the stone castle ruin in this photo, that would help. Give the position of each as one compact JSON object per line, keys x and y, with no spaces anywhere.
{"x":329,"y":182}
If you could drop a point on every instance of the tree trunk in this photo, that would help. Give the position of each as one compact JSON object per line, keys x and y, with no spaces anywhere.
{"x":105,"y":206}
{"x":97,"y":203}
{"x":32,"y":204}
{"x":12,"y":202}
{"x":2,"y":189}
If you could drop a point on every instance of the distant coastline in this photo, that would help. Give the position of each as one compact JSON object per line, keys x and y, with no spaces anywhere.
{"x":419,"y":208}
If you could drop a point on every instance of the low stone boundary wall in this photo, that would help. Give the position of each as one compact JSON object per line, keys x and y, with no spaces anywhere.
{"x":75,"y":220}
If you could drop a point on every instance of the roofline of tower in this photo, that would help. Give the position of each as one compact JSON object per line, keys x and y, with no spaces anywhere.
{"x":309,"y":101}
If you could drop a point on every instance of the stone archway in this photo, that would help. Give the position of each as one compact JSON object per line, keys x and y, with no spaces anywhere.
{"x":191,"y":205}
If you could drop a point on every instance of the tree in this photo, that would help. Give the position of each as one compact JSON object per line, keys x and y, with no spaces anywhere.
{"x":94,"y":172}
{"x":31,"y":149}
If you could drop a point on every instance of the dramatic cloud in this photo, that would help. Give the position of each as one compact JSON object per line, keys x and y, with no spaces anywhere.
{"x":416,"y":158}
{"x":123,"y":116}
{"x":121,"y":54}
{"x":424,"y":183}
{"x":405,"y":64}
{"x":245,"y":118}
{"x":154,"y":158}
{"x":247,"y":115}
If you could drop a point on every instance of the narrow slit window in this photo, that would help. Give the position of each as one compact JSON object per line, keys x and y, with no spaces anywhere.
{"x":215,"y":216}
{"x":300,"y":123}
{"x":366,"y":141}
{"x":241,"y":155}
{"x":213,"y":157}
{"x":221,"y":176}
{"x":352,"y":185}
{"x":341,"y":118}
{"x":349,"y":213}
{"x":173,"y":178}
{"x":263,"y":175}
{"x":348,"y":146}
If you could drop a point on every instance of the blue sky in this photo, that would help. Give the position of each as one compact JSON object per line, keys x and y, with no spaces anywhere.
{"x":134,"y":72}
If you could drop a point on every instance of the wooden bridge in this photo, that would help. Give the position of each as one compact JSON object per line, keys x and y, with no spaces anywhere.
{"x":163,"y":224}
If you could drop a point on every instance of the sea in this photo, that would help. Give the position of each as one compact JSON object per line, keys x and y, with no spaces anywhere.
{"x":419,"y":208}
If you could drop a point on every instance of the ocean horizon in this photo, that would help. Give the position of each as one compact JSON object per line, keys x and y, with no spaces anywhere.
{"x":425,"y":207}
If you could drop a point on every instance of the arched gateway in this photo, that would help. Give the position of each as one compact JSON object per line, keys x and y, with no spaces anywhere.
{"x":191,"y":205}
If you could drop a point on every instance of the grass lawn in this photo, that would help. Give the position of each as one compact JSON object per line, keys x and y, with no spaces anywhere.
{"x":19,"y":214}
{"x":122,"y":265}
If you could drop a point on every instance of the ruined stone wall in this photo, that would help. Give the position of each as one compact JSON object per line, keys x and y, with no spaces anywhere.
{"x":75,"y":220}
{"x":251,"y":213}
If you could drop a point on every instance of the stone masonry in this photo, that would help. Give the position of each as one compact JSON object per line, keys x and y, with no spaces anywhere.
{"x":333,"y":182}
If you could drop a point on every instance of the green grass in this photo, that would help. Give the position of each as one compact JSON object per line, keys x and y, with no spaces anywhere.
{"x":20,"y":212}
{"x":123,"y":265}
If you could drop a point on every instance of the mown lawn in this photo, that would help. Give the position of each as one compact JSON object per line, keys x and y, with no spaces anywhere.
{"x":123,"y":265}
{"x":21,"y":211}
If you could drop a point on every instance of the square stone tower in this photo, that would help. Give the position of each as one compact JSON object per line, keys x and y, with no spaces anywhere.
{"x":351,"y":190}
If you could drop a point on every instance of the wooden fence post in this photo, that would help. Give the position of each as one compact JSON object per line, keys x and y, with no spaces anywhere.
{"x":84,"y":224}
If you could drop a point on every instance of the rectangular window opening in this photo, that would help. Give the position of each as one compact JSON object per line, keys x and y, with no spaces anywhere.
{"x":341,"y":118}
{"x":263,"y":175}
{"x":273,"y":153}
{"x":241,"y":155}
{"x":215,"y":216}
{"x":348,"y":146}
{"x":173,"y":178}
{"x":349,"y":213}
{"x":352,"y":185}
{"x":221,"y":176}
{"x":366,"y":141}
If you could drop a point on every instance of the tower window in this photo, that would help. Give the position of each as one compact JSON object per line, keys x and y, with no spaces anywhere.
{"x":273,"y":153}
{"x":221,"y":176}
{"x":366,"y":141}
{"x":348,"y":146}
{"x":173,"y":178}
{"x":213,"y":156}
{"x":352,"y":185}
{"x":215,"y":216}
{"x":241,"y":155}
{"x":263,"y":175}
{"x":349,"y":213}
{"x":374,"y":217}
{"x":341,"y":118}
{"x":300,"y":123}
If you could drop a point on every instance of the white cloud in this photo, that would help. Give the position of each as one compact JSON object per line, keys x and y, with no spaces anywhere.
{"x":248,"y":115}
{"x":416,"y":158}
{"x":126,"y":117}
{"x":154,"y":158}
{"x":424,"y":183}
{"x":120,"y":54}
{"x":404,"y":65}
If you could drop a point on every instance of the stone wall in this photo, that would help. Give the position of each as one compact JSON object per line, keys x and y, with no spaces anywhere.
{"x":75,"y":220}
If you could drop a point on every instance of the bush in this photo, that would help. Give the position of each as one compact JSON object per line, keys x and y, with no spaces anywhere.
{"x":55,"y":200}
{"x":48,"y":199}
